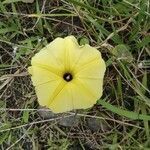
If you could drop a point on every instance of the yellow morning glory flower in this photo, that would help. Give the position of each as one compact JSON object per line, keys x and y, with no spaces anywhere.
{"x":67,"y":76}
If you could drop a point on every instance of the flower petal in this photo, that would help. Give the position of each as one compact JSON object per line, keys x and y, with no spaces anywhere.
{"x":71,"y":45}
{"x":54,"y":55}
{"x":95,"y":69}
{"x":83,"y":55}
{"x":60,"y":50}
{"x":45,"y":91}
{"x":73,"y":96}
{"x":82,"y":97}
{"x":91,"y":76}
{"x":42,"y":76}
{"x":62,"y":101}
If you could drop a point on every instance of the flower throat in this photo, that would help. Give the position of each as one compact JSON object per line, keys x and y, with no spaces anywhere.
{"x":67,"y":77}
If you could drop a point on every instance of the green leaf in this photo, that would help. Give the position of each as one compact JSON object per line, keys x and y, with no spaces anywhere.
{"x":25,"y":116}
{"x":39,"y":20}
{"x":122,"y":52}
{"x":11,"y":1}
{"x":145,"y":41}
{"x":5,"y":126}
{"x":122,"y":112}
{"x":8,"y":29}
{"x":146,"y":124}
{"x":84,"y":41}
{"x":3,"y":137}
{"x":122,"y":7}
{"x":144,"y":82}
{"x":27,"y":1}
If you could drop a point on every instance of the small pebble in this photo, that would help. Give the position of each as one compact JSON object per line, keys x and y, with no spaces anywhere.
{"x":65,"y":121}
{"x":96,"y":124}
{"x":69,"y":121}
{"x":45,"y":113}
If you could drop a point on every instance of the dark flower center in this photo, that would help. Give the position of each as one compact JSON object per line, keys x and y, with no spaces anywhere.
{"x":67,"y":77}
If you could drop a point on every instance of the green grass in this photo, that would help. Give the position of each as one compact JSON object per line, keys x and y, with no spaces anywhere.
{"x":120,"y":30}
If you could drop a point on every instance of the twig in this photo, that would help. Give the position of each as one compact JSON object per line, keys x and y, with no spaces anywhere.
{"x":71,"y":114}
{"x":117,"y":31}
{"x":36,"y":122}
{"x":18,"y":139}
{"x":13,"y":75}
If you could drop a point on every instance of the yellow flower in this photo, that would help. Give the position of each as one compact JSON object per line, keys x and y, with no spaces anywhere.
{"x":67,"y":76}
